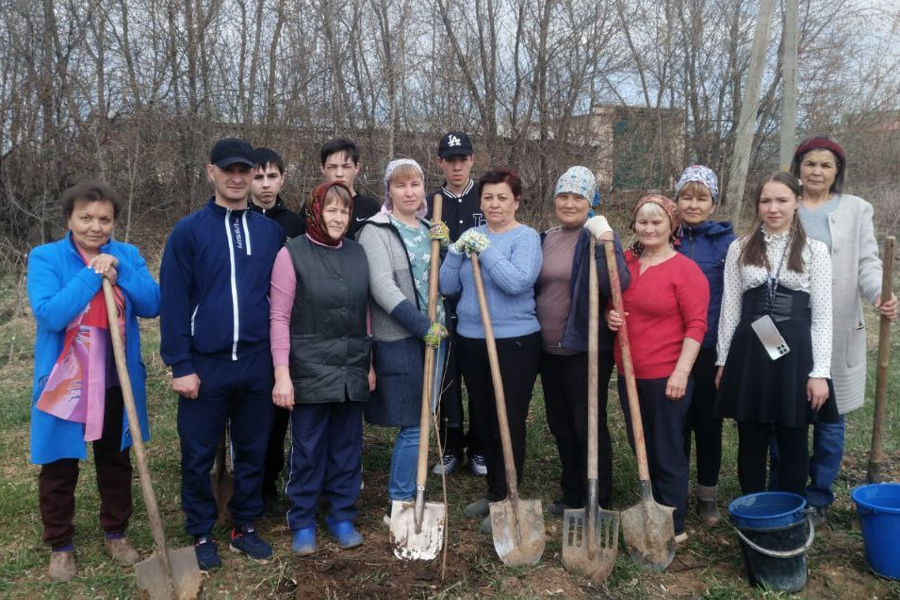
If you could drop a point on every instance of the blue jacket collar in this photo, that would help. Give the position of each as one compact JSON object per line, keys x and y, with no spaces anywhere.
{"x":221,"y":210}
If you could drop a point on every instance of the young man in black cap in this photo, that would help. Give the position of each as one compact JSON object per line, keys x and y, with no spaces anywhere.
{"x":461,"y":211}
{"x":340,"y":162}
{"x":214,"y":324}
{"x":265,"y":198}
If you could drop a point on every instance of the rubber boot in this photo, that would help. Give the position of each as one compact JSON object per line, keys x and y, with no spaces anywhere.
{"x":707,"y":509}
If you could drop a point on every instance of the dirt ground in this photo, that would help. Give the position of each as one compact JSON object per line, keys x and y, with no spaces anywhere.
{"x":708,"y":566}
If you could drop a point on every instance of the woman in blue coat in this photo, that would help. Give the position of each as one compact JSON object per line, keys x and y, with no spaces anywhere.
{"x":76,"y":397}
{"x":706,"y":242}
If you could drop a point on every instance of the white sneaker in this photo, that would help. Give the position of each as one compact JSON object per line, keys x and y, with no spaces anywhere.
{"x":448,"y":465}
{"x":478,"y":465}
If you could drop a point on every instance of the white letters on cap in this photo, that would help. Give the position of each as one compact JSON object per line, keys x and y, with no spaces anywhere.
{"x":452,"y":140}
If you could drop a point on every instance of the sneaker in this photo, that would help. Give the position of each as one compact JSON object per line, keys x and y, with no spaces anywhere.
{"x":681,"y":538}
{"x":120,"y":551}
{"x":207,"y":554}
{"x":62,"y":565}
{"x":478,"y":509}
{"x":244,"y":540}
{"x":486,"y":526}
{"x":817,"y":515}
{"x":448,"y":465}
{"x":478,"y":465}
{"x":303,"y":542}
{"x":345,"y":534}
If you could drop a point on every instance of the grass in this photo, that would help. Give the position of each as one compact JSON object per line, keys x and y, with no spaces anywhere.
{"x":707,"y":566}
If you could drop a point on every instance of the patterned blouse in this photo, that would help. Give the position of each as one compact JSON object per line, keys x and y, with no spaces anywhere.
{"x":815,"y":280}
{"x":418,"y":248}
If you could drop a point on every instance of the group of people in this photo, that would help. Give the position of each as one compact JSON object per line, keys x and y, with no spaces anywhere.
{"x":318,"y":321}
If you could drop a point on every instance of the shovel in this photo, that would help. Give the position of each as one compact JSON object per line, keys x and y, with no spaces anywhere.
{"x":648,"y":527}
{"x":591,"y":535}
{"x":417,"y":528}
{"x":517,"y":525}
{"x":875,"y":472}
{"x":167,"y":574}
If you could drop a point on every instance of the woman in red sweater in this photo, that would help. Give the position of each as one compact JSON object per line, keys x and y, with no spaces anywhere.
{"x":666,"y":305}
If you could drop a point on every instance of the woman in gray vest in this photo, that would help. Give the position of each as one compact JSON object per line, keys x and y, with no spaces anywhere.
{"x":397,"y":242}
{"x":323,"y":373}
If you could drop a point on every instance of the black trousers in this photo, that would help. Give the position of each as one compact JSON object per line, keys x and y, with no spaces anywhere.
{"x":454,"y":438}
{"x":700,"y":423}
{"x":57,"y":481}
{"x":564,"y":379}
{"x":275,"y":452}
{"x":519,"y":360}
{"x":663,"y":421}
{"x":793,"y":462}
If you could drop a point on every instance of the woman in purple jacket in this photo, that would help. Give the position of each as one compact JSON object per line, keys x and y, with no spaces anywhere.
{"x":705,"y":242}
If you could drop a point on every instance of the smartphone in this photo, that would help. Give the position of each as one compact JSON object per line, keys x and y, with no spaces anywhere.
{"x":770,"y":337}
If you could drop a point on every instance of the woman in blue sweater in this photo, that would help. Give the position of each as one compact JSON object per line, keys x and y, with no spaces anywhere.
{"x":705,"y":242}
{"x":510,"y":258}
{"x":77,"y":397}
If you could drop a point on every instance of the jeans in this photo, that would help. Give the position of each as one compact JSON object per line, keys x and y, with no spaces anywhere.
{"x":404,"y":459}
{"x":824,"y":464}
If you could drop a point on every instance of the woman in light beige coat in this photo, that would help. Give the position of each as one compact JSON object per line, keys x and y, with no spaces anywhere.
{"x":844,"y":223}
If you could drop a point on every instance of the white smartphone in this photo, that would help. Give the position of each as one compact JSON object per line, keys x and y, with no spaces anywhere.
{"x":770,"y":337}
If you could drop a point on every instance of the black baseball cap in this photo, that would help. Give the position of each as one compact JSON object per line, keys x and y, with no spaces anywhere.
{"x":455,"y":143}
{"x":229,"y":151}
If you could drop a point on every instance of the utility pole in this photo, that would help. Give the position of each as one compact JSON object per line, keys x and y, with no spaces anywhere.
{"x":789,"y":87}
{"x":740,"y":160}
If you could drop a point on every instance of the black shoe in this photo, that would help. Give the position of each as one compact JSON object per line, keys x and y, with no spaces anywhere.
{"x":561,"y":506}
{"x":817,"y":515}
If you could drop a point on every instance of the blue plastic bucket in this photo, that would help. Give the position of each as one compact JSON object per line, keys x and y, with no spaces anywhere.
{"x":878,"y":506}
{"x":775,"y":535}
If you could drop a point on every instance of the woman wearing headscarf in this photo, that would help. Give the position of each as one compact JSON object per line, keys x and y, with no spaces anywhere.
{"x":510,"y":259}
{"x":666,"y":305}
{"x":842,"y":222}
{"x":562,"y":308}
{"x":323,"y":373}
{"x":77,"y":395}
{"x":397,"y":242}
{"x":706,"y":242}
{"x":776,"y":279}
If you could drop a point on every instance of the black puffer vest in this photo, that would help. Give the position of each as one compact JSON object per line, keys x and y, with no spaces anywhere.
{"x":329,"y":346}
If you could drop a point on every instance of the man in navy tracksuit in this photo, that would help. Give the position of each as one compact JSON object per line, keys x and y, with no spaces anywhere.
{"x":215,"y":335}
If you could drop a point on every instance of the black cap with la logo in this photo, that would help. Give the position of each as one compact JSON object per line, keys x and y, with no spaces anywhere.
{"x":455,"y":143}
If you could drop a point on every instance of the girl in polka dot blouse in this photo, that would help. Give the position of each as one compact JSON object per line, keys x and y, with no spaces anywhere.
{"x":776,"y":273}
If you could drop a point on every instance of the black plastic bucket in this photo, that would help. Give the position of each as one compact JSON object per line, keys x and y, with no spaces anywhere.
{"x":775,"y":542}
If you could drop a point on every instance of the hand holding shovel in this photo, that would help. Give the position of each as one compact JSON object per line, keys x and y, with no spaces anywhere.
{"x":517,"y":525}
{"x":648,"y":527}
{"x":417,"y":529}
{"x":591,"y":535}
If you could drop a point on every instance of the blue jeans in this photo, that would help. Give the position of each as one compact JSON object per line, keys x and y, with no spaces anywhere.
{"x":402,"y":479}
{"x":824,"y":464}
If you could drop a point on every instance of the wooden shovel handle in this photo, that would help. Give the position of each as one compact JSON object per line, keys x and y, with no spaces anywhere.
{"x":499,"y":398}
{"x":134,"y":425}
{"x":428,"y":368}
{"x":876,"y":455}
{"x":634,"y":408}
{"x":593,"y":357}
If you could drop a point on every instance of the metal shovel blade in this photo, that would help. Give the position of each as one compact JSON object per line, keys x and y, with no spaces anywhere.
{"x":649,"y":533}
{"x":518,"y":532}
{"x":410,"y":543}
{"x":185,"y":575}
{"x":577,"y":555}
